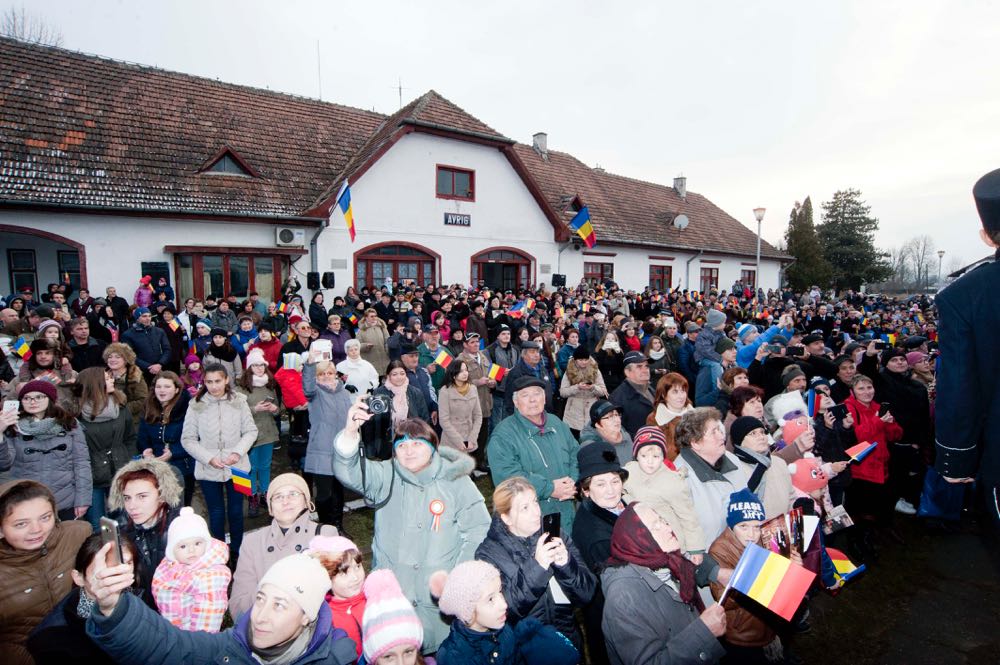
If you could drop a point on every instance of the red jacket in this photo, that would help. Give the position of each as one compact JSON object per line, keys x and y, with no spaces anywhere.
{"x":347,"y":615}
{"x":869,"y":427}
{"x":291,"y":387}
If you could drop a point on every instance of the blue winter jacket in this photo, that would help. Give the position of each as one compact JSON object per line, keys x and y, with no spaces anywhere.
{"x":150,"y":344}
{"x":135,"y":634}
{"x":155,"y":435}
{"x":530,"y":642}
{"x":747,"y":352}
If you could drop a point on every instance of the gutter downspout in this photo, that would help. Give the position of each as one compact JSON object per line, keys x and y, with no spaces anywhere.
{"x":687,"y":269}
{"x":313,"y":253}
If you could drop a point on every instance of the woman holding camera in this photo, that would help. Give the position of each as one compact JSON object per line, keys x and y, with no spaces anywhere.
{"x":328,"y":405}
{"x":429,"y":515}
{"x":390,"y":404}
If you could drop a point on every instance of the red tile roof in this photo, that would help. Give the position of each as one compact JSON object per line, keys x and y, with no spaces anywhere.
{"x":81,"y":130}
{"x":86,"y":131}
{"x":634,"y":212}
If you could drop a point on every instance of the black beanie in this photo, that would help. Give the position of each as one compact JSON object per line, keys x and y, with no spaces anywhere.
{"x":743,"y":426}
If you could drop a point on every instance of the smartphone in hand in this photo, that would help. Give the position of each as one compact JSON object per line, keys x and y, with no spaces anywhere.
{"x":109,"y":534}
{"x":552,"y":525}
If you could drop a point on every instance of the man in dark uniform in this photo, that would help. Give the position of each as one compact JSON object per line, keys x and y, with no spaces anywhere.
{"x":968,"y":383}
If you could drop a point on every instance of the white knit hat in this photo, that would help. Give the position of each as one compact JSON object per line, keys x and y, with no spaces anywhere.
{"x":303,"y":578}
{"x":186,"y":525}
{"x":256,"y":357}
{"x":389,"y":619}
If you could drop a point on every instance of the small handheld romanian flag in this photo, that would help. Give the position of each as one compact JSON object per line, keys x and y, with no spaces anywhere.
{"x":496,"y":372}
{"x":353,"y":318}
{"x":772,"y":580}
{"x":174,"y":325}
{"x":860,"y":451}
{"x":443,"y":358}
{"x":581,"y":224}
{"x":241,"y":481}
{"x":282,"y":307}
{"x":814,"y":403}
{"x":22,"y":348}
{"x":344,"y":203}
{"x":846,"y":570}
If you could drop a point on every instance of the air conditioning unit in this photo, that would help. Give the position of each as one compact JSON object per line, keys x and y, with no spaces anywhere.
{"x":288,"y":237}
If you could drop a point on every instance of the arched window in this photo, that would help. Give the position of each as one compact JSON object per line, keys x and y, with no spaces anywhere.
{"x":502,"y":268}
{"x":400,"y":262}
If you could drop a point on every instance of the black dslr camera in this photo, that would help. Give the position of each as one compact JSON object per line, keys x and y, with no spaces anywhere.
{"x":377,"y":404}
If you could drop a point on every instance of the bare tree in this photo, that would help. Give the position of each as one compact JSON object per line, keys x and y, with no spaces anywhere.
{"x":899,"y":261}
{"x":17,"y":24}
{"x":922,"y":259}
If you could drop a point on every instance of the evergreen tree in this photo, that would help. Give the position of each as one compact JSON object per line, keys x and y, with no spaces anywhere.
{"x":803,"y":243}
{"x":847,"y":239}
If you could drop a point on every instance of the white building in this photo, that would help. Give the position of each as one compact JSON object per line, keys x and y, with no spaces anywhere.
{"x":109,"y":171}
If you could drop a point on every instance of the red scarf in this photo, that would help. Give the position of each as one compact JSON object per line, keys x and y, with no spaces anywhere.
{"x":631,"y":542}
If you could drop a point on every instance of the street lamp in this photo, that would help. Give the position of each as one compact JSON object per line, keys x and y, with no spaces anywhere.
{"x":940,"y":259}
{"x":759,"y":214}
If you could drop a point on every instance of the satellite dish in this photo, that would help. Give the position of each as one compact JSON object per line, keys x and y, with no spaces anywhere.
{"x":681,"y":222}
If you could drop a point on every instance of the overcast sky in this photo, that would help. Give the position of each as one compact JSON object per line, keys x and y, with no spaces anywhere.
{"x":758,"y":103}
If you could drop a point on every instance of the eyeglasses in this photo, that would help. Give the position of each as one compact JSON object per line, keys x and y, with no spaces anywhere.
{"x":34,"y":399}
{"x":287,"y":496}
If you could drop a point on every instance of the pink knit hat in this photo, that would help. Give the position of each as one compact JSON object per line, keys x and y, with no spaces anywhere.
{"x":256,"y":357}
{"x":462,"y":588}
{"x":795,"y":424}
{"x":331,"y":544}
{"x":389,"y":619}
{"x":914,"y":357}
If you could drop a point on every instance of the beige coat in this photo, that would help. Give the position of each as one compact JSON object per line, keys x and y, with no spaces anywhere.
{"x":578,"y":400}
{"x":668,"y":493}
{"x":263,"y":547}
{"x":775,"y":490}
{"x":215,"y":427}
{"x":479,"y":367}
{"x":373,"y":345}
{"x":460,"y":416}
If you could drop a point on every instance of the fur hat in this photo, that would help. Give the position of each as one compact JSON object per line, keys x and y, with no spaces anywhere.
{"x":167,"y":477}
{"x":389,"y":619}
{"x":807,"y":474}
{"x":743,"y":507}
{"x":303,"y":578}
{"x":458,"y":592}
{"x":186,"y":525}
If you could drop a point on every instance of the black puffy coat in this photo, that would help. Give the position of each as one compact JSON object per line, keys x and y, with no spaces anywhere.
{"x":526,"y":584}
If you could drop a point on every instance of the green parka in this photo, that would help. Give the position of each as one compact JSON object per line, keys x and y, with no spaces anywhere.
{"x":406,"y":539}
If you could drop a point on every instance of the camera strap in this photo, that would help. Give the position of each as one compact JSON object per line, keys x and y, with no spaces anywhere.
{"x":364,"y":484}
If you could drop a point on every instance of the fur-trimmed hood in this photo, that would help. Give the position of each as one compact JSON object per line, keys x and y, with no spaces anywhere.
{"x":170,"y":486}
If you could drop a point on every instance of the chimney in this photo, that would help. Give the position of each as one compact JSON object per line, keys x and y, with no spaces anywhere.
{"x":540,"y":142}
{"x":599,"y":169}
{"x":680,"y":186}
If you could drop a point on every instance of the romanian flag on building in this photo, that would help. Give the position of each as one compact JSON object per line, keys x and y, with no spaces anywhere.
{"x":860,"y":451}
{"x":21,"y":348}
{"x":344,"y":203}
{"x":443,"y":358}
{"x":846,"y":570}
{"x":581,"y":224}
{"x":241,"y":481}
{"x":496,"y":372}
{"x":771,"y":580}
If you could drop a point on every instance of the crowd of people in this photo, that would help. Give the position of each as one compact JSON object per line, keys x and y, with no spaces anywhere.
{"x":637,"y":442}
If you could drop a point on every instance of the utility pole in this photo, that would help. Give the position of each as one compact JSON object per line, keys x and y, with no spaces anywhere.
{"x":319,"y":72}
